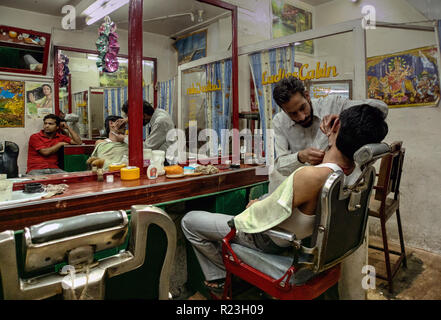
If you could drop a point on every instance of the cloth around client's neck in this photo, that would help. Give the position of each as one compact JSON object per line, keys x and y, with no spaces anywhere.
{"x":274,"y":209}
{"x":111,"y":152}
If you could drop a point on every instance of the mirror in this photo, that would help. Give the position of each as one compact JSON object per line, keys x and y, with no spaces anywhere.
{"x":89,"y":96}
{"x":23,"y":51}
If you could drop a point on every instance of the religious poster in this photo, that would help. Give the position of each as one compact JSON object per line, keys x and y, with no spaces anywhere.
{"x":288,"y":19}
{"x":39,"y":99}
{"x":405,"y":79}
{"x":12,"y":103}
{"x":191,"y":47}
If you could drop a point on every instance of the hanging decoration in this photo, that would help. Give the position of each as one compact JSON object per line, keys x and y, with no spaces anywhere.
{"x":63,"y":70}
{"x":107,"y":46}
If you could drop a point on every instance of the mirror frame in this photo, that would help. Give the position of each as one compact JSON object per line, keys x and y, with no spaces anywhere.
{"x":45,"y":54}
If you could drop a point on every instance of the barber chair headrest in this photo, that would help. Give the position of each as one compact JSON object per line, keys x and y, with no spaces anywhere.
{"x":51,"y":242}
{"x":370,"y":152}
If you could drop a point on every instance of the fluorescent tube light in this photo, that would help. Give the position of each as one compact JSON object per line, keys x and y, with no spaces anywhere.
{"x":101,"y":8}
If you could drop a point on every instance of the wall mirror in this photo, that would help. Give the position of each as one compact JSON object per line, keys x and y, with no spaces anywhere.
{"x":86,"y":96}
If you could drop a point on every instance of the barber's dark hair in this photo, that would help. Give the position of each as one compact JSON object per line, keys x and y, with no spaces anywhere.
{"x":53,"y":116}
{"x":106,"y":123}
{"x":360,"y":125}
{"x":286,"y":88}
{"x":146,"y":108}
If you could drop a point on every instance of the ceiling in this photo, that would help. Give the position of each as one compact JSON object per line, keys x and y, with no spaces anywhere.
{"x":171,"y":16}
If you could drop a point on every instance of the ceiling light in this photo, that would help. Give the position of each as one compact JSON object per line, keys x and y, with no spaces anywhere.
{"x":101,"y":8}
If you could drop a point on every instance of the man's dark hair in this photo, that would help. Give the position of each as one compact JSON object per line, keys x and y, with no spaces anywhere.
{"x":360,"y":125}
{"x":53,"y":116}
{"x":106,"y":123}
{"x":286,"y":88}
{"x":146,"y":108}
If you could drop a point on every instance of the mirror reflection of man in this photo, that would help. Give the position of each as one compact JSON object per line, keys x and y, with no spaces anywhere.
{"x":158,"y":123}
{"x":44,"y":145}
{"x":301,"y":128}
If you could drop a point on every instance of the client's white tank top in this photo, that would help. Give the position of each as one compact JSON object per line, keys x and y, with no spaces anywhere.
{"x":299,"y":223}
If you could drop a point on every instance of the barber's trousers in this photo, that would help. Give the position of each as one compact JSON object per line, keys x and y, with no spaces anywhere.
{"x":205,"y":231}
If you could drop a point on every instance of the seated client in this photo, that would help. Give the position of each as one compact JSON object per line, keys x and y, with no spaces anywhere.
{"x":44,"y":146}
{"x":292,"y":205}
{"x":113,"y":149}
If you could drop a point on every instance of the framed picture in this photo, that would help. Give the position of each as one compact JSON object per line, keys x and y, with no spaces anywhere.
{"x":191,"y":47}
{"x":322,"y":89}
{"x":12,"y":103}
{"x":39,"y":99}
{"x":287,"y":19}
{"x":404,"y":79}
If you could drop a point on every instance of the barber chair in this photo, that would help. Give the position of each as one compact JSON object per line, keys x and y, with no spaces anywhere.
{"x":309,"y":271}
{"x":8,"y":158}
{"x":77,"y":241}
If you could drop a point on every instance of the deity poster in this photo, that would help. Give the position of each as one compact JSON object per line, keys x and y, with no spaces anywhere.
{"x":12,"y":103}
{"x":405,"y":79}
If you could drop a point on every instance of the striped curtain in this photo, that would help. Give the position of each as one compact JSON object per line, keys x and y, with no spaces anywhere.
{"x":166,"y":94}
{"x":114,"y":99}
{"x":267,"y":68}
{"x":218,"y":102}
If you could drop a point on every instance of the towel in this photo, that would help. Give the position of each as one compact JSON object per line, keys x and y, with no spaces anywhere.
{"x":269,"y":212}
{"x":111,"y":152}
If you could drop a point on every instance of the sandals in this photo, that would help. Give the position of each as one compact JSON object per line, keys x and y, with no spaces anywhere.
{"x":215,"y":286}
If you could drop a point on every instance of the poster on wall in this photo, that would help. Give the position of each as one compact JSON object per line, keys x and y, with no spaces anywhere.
{"x":39,"y":99}
{"x":405,"y":79}
{"x":323,"y":89}
{"x":288,"y":19}
{"x":191,"y":47}
{"x":12,"y":103}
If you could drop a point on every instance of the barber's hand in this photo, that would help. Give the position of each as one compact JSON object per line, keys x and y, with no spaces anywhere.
{"x":119,"y":137}
{"x":120,"y":122}
{"x":327,"y":123}
{"x":311,"y":155}
{"x":251,"y":202}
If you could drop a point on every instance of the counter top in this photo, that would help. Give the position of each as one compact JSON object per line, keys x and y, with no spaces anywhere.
{"x":85,"y":194}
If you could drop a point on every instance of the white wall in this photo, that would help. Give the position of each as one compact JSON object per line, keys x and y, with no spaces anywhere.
{"x":153,"y":46}
{"x":417,"y":127}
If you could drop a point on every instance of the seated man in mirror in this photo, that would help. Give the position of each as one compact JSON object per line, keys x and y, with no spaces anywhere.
{"x":159,"y":123}
{"x":292,"y":205}
{"x":113,"y":149}
{"x":44,"y":146}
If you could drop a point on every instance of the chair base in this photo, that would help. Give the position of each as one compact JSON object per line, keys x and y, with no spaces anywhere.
{"x":278,"y":288}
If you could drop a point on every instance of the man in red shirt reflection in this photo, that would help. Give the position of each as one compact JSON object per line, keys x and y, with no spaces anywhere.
{"x":44,"y":146}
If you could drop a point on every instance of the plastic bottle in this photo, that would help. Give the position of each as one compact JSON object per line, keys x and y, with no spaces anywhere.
{"x":152,"y":171}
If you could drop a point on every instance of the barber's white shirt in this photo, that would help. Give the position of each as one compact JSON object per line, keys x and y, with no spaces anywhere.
{"x":290,"y":137}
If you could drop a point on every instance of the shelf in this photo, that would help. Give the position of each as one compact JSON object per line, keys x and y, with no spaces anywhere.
{"x":24,"y":46}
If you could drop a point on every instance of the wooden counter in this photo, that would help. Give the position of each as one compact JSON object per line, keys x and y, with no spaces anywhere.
{"x":86,"y":195}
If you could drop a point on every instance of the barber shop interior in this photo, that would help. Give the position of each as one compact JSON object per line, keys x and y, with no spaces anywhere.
{"x":130,"y":128}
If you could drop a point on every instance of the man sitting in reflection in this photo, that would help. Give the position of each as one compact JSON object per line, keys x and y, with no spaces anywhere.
{"x":44,"y":146}
{"x":113,"y":149}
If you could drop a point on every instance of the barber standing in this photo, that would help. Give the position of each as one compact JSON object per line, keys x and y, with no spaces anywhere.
{"x":301,"y":127}
{"x":158,"y":123}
